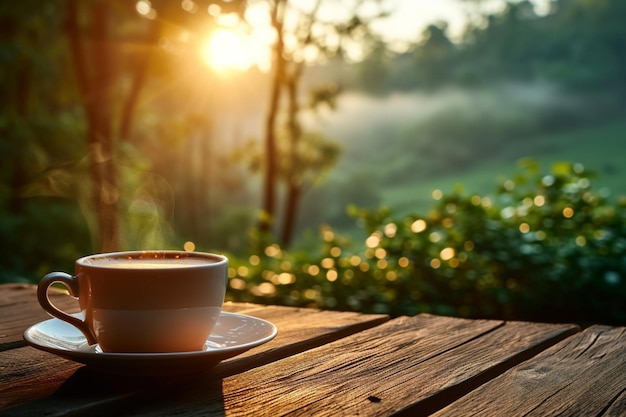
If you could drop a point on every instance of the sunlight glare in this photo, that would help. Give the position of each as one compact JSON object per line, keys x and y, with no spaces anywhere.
{"x":231,"y":49}
{"x":226,"y":51}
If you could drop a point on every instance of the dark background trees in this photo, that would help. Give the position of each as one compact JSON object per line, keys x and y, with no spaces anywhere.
{"x":577,"y":45}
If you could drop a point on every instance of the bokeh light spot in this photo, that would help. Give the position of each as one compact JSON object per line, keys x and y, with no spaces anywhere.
{"x":434,"y":237}
{"x":568,"y":212}
{"x":265,"y":289}
{"x":143,"y":7}
{"x":539,"y":200}
{"x":447,"y":253}
{"x":332,"y":275}
{"x":328,"y":235}
{"x":391,"y":276}
{"x":189,"y":6}
{"x":237,"y":284}
{"x":272,"y":251}
{"x":418,"y":226}
{"x":390,"y":230}
{"x":372,"y":241}
{"x":214,"y":9}
{"x":286,"y":278}
{"x":313,"y":270}
{"x":327,"y":263}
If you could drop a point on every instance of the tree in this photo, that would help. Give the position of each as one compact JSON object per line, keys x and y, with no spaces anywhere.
{"x":374,"y":71}
{"x":95,"y":86}
{"x":38,"y":133}
{"x":269,"y":179}
{"x":102,"y":60}
{"x":303,"y":36}
{"x":577,"y":44}
{"x":434,"y":57}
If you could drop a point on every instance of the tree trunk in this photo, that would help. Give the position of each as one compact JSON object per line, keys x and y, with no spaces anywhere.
{"x":139,"y":77}
{"x":96,"y":92}
{"x":18,"y":155}
{"x":293,"y":174}
{"x":271,"y":171}
{"x":292,"y":202}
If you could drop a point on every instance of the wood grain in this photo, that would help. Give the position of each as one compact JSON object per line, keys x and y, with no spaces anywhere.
{"x":19,"y":309}
{"x":585,"y":375}
{"x":28,"y":374}
{"x":409,"y":365}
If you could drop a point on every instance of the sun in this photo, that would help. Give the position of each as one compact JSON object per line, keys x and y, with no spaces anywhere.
{"x":227,"y":50}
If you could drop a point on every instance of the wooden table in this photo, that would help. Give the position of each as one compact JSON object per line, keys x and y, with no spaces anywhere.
{"x":337,"y":364}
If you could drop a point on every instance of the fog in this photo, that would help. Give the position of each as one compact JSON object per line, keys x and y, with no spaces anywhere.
{"x":365,"y":125}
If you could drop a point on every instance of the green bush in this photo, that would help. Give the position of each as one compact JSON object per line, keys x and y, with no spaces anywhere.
{"x":543,"y":247}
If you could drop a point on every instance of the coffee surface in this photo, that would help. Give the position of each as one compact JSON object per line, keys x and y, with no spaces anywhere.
{"x":150,"y":263}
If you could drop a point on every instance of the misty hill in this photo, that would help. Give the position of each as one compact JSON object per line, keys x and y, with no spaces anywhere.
{"x":398,"y":148}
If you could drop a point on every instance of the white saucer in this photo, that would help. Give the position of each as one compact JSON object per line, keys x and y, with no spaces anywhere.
{"x":232,"y":335}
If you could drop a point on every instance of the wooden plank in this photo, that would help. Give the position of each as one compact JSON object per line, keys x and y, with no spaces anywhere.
{"x":585,"y":375}
{"x":299,"y":330}
{"x":411,"y":366}
{"x":19,"y":309}
{"x":27,"y":373}
{"x":30,"y":374}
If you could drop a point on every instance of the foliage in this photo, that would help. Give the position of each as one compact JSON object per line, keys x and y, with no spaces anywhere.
{"x":40,"y":129}
{"x":544,"y":247}
{"x":578,"y":45}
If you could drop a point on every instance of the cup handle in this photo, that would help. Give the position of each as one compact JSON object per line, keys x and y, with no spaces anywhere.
{"x":71,"y":283}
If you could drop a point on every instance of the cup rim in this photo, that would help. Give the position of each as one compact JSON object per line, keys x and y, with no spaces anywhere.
{"x":218,"y":259}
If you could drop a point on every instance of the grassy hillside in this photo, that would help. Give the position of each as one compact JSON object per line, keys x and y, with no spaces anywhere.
{"x":600,"y":149}
{"x":397,"y":149}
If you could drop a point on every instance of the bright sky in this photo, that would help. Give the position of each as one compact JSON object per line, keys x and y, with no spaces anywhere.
{"x":410,"y":17}
{"x":406,"y":23}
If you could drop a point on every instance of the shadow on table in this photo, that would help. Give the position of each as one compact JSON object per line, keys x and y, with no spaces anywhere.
{"x":91,"y":393}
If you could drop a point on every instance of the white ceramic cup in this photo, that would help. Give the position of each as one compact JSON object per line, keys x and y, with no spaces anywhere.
{"x":144,"y":302}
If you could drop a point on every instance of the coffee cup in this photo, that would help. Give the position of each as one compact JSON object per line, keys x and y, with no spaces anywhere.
{"x":143,"y":301}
